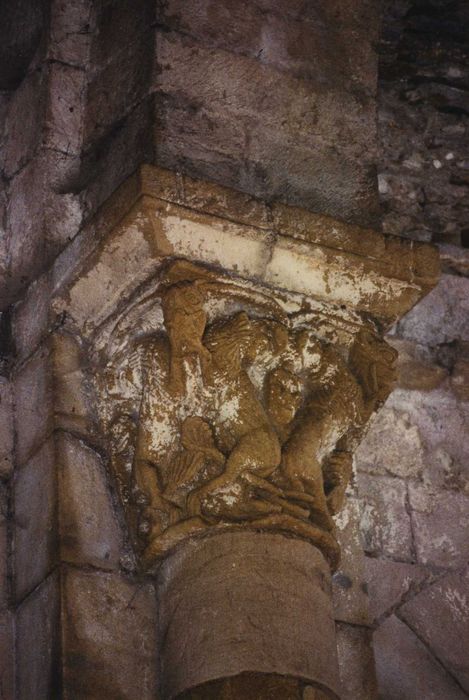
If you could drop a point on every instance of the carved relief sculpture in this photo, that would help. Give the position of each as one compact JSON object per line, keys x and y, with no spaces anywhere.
{"x":236,"y":414}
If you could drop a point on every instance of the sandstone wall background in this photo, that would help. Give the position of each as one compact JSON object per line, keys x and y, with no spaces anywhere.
{"x":280,"y":103}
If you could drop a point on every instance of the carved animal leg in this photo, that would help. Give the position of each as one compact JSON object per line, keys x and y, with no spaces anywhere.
{"x":257,"y":452}
{"x":304,"y":473}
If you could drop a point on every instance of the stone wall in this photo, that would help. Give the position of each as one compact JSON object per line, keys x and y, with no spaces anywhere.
{"x":413,"y":468}
{"x":280,"y":104}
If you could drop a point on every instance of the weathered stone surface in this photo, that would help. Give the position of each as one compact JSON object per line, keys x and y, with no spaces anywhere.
{"x":439,"y":616}
{"x":4,"y":563}
{"x":349,"y":583}
{"x":460,"y":380}
{"x":24,"y":122}
{"x":35,"y":508}
{"x":300,"y":129}
{"x":90,"y":532}
{"x":423,"y":127}
{"x":4,"y":548}
{"x":356,"y":663}
{"x":6,"y":428}
{"x":25,"y":226}
{"x":292,"y":39}
{"x":442,"y":316}
{"x":7,"y":656}
{"x":122,"y":58}
{"x":406,"y":669}
{"x":109,"y":637}
{"x":416,"y":369}
{"x":440,"y":521}
{"x":33,"y":404}
{"x":256,"y":573}
{"x":31,"y":317}
{"x":441,"y":421}
{"x":70,"y":35}
{"x":65,"y":109}
{"x":391,"y":446}
{"x":38,"y":643}
{"x":385,"y":522}
{"x":391,"y":583}
{"x":72,"y":402}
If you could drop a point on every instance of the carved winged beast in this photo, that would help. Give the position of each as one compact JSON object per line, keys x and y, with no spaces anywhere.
{"x":243,"y":422}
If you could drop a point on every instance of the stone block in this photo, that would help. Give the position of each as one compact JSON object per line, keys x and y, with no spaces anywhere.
{"x":117,"y":156}
{"x":33,"y":404}
{"x":65,"y":110}
{"x":7,"y":656}
{"x":116,"y":90}
{"x":348,"y":583}
{"x":439,"y":616}
{"x":460,"y":379}
{"x":309,"y":47}
{"x":35,"y":533}
{"x":290,"y":129}
{"x":89,"y":530}
{"x":6,"y":428}
{"x":356,"y":663}
{"x":4,"y":548}
{"x":38,"y":643}
{"x":25,"y":225}
{"x":72,"y":406}
{"x":415,"y":366}
{"x":31,"y":317}
{"x":4,"y":563}
{"x":24,"y":122}
{"x":109,"y":642}
{"x":442,"y":422}
{"x":443,"y":316}
{"x":385,"y":522}
{"x":440,"y":522}
{"x":63,"y":218}
{"x":392,"y":446}
{"x":406,"y":669}
{"x":70,"y":32}
{"x":391,"y":583}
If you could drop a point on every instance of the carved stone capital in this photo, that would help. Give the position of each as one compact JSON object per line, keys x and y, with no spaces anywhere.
{"x":233,"y":357}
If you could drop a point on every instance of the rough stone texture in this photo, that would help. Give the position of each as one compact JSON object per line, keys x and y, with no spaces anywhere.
{"x":391,"y":583}
{"x":349,"y":588}
{"x":280,"y":79}
{"x":109,"y":642}
{"x":290,"y":109}
{"x":406,"y":669}
{"x":35,"y":508}
{"x":356,"y":663}
{"x":442,"y":317}
{"x":439,"y":617}
{"x":211,"y":581}
{"x":4,"y":547}
{"x":89,"y":531}
{"x":385,"y":521}
{"x":424,"y":103}
{"x":37,"y":643}
{"x":71,"y":406}
{"x":441,"y":521}
{"x":7,"y":653}
{"x":401,"y":456}
{"x":31,"y":317}
{"x":33,"y":404}
{"x":6,"y":428}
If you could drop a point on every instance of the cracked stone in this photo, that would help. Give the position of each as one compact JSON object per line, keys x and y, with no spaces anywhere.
{"x":439,"y":615}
